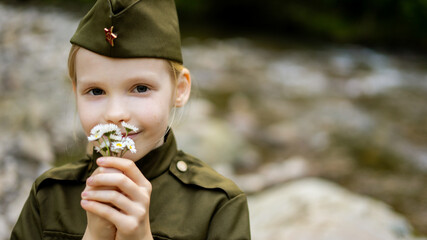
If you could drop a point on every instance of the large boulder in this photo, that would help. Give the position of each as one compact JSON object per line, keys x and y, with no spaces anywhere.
{"x":315,"y":209}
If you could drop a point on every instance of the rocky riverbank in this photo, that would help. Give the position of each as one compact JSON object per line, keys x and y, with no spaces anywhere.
{"x":293,"y":127}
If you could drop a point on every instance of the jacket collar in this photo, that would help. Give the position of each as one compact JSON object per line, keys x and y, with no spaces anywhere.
{"x":158,"y":160}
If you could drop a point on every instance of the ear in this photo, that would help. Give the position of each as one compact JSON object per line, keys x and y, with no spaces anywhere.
{"x":183,"y":88}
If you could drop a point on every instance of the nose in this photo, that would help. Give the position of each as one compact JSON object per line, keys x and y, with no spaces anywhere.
{"x":116,"y":111}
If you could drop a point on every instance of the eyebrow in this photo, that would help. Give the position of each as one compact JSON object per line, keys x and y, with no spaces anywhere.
{"x":88,"y":82}
{"x":135,"y":79}
{"x":146,"y":78}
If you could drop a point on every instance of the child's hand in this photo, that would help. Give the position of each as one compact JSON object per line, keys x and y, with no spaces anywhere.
{"x":126,"y":203}
{"x":98,"y":227}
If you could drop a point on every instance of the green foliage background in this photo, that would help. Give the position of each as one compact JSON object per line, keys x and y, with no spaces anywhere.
{"x":380,"y":22}
{"x":384,"y":23}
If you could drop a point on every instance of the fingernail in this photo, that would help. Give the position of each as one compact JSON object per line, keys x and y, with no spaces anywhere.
{"x":84,"y":195}
{"x":84,"y":202}
{"x":100,"y":160}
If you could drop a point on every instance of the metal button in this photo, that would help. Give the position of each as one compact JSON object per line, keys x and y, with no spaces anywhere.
{"x":182,"y":166}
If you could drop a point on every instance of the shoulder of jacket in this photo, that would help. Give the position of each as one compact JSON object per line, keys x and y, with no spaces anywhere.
{"x":191,"y":170}
{"x":74,"y":171}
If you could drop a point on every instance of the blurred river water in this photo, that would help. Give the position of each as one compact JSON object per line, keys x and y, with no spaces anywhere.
{"x":262,"y":115}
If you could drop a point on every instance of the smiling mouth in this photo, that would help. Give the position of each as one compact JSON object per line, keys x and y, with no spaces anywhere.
{"x":130,"y":135}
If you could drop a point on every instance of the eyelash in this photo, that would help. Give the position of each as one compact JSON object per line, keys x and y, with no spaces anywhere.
{"x":90,"y":92}
{"x":145,"y":89}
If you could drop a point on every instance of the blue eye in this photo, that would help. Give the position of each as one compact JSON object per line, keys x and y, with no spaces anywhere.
{"x":141,"y":89}
{"x":96,"y":91}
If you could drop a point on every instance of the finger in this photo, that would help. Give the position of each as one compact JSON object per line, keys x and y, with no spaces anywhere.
{"x":113,"y":198}
{"x":100,"y":209}
{"x":127,"y":166}
{"x":113,"y":215}
{"x":123,"y":183}
{"x":108,"y":170}
{"x":102,"y":170}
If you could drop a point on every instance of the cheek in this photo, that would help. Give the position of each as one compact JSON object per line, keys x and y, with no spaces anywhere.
{"x":84,"y":120}
{"x":87,"y":117}
{"x":156,"y":115}
{"x":160,"y":117}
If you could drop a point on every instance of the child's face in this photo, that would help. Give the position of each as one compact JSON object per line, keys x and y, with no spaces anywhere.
{"x":139,"y":91}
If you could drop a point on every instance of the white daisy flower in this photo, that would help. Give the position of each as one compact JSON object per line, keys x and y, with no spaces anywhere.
{"x":101,"y":129}
{"x":116,"y":137}
{"x":129,"y":127}
{"x":111,"y":128}
{"x":94,"y":137}
{"x":132,"y":148}
{"x":105,"y":144}
{"x":128,"y":141}
{"x":97,"y":129}
{"x":130,"y":144}
{"x":114,"y":141}
{"x":115,"y":150}
{"x":117,"y":146}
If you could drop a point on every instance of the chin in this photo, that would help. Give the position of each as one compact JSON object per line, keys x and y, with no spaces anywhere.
{"x":133,"y":156}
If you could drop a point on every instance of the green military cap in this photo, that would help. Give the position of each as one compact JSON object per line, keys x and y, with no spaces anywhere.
{"x":131,"y":28}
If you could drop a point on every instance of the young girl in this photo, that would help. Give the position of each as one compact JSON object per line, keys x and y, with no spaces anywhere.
{"x":125,"y":66}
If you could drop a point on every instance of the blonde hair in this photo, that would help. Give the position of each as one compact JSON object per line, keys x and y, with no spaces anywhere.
{"x":175,"y":67}
{"x":72,"y":63}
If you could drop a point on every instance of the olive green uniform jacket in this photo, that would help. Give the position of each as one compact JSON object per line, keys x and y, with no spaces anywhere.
{"x":192,"y":203}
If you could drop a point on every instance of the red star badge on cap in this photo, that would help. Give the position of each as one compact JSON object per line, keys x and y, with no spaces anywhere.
{"x":110,"y":36}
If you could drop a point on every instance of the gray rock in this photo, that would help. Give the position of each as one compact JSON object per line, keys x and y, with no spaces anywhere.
{"x":272,"y":174}
{"x":36,"y":146}
{"x":211,"y":139}
{"x":4,"y":229}
{"x":14,"y":209}
{"x":315,"y":209}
